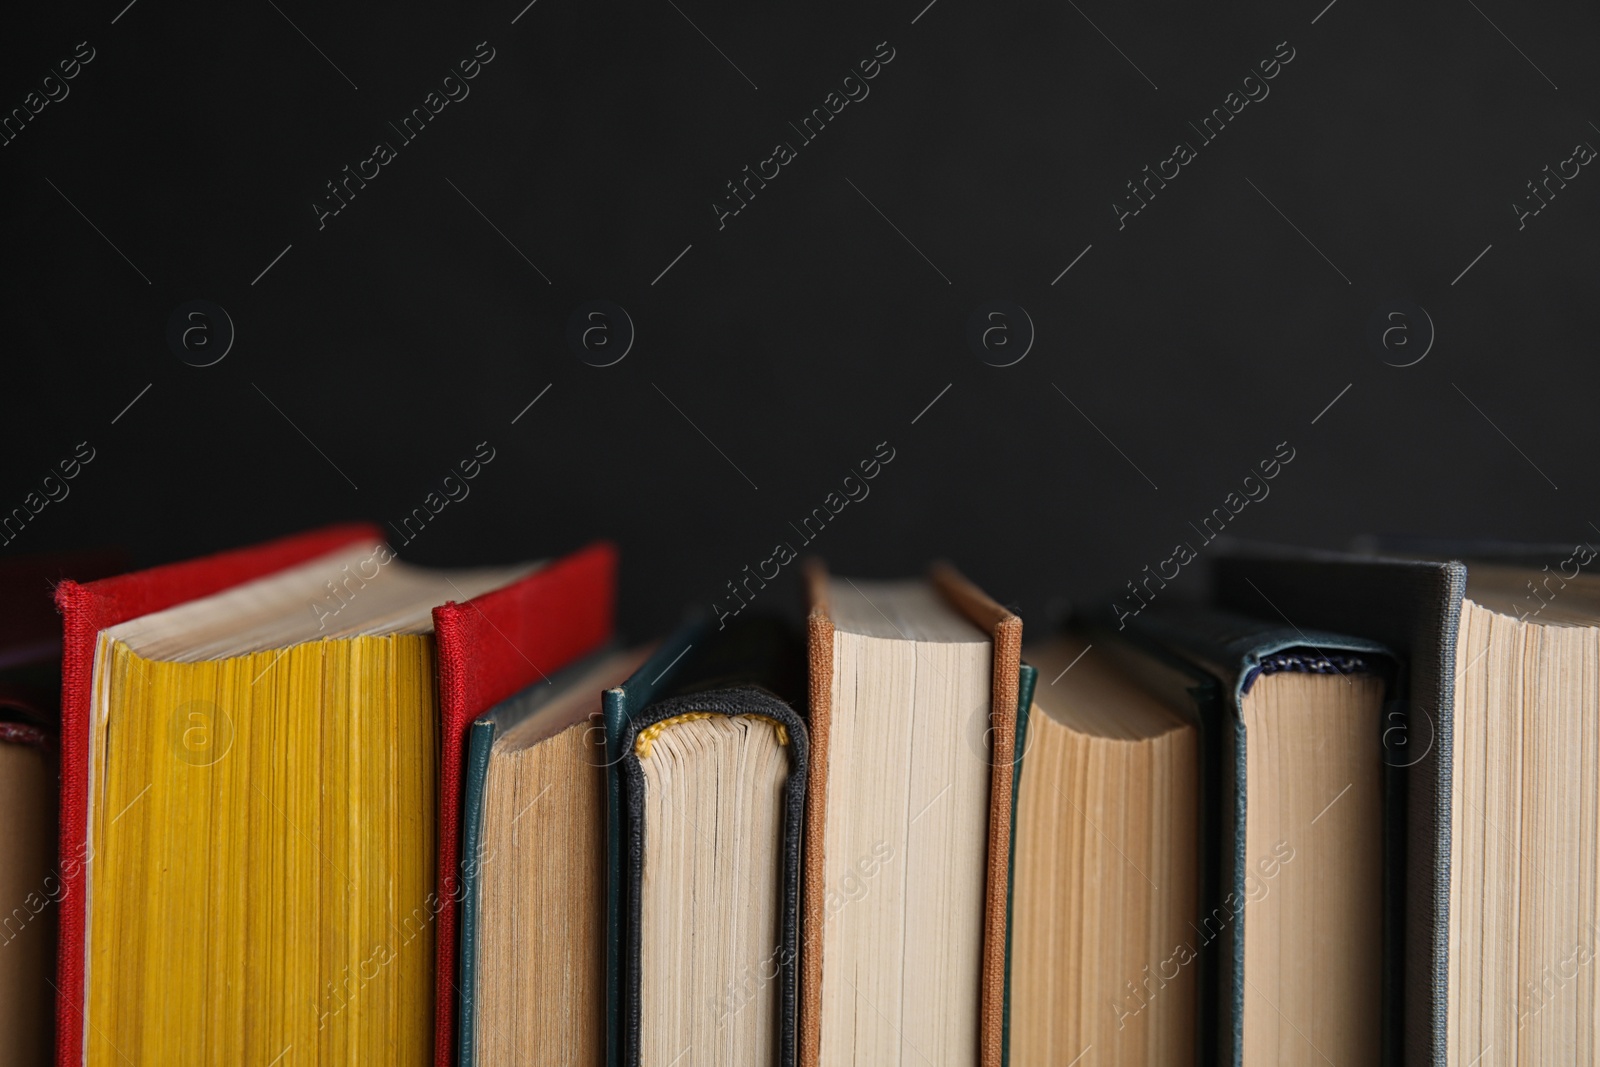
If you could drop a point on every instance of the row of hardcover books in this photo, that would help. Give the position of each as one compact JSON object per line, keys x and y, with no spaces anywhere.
{"x":305,"y":802}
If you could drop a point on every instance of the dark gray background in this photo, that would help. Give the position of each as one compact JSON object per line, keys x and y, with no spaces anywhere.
{"x":1222,"y":320}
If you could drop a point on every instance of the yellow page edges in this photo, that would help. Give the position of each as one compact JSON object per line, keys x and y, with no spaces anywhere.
{"x":263,"y":856}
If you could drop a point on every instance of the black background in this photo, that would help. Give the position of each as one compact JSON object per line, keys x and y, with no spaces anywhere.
{"x":823,"y":319}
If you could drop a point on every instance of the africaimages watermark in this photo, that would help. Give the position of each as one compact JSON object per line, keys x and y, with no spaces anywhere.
{"x":1149,"y":986}
{"x":854,"y":488}
{"x":1252,"y":89}
{"x":453,"y":88}
{"x":1253,"y":489}
{"x":853,"y":88}
{"x":1540,"y":195}
{"x":54,"y":487}
{"x":1582,"y":555}
{"x":851,"y":888}
{"x":52,"y":889}
{"x":51,"y":88}
{"x":350,"y":984}
{"x":452,"y":489}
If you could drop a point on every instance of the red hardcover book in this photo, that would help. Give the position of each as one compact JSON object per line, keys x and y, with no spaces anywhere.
{"x":86,"y":609}
{"x":489,"y":646}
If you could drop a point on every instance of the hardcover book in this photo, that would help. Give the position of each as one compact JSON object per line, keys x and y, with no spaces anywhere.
{"x":490,"y":647}
{"x":87,"y":608}
{"x":532,"y":973}
{"x":251,"y":766}
{"x":1295,"y":917}
{"x":1108,"y":859}
{"x":1496,"y":747}
{"x":914,"y":701}
{"x":708,"y":762}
